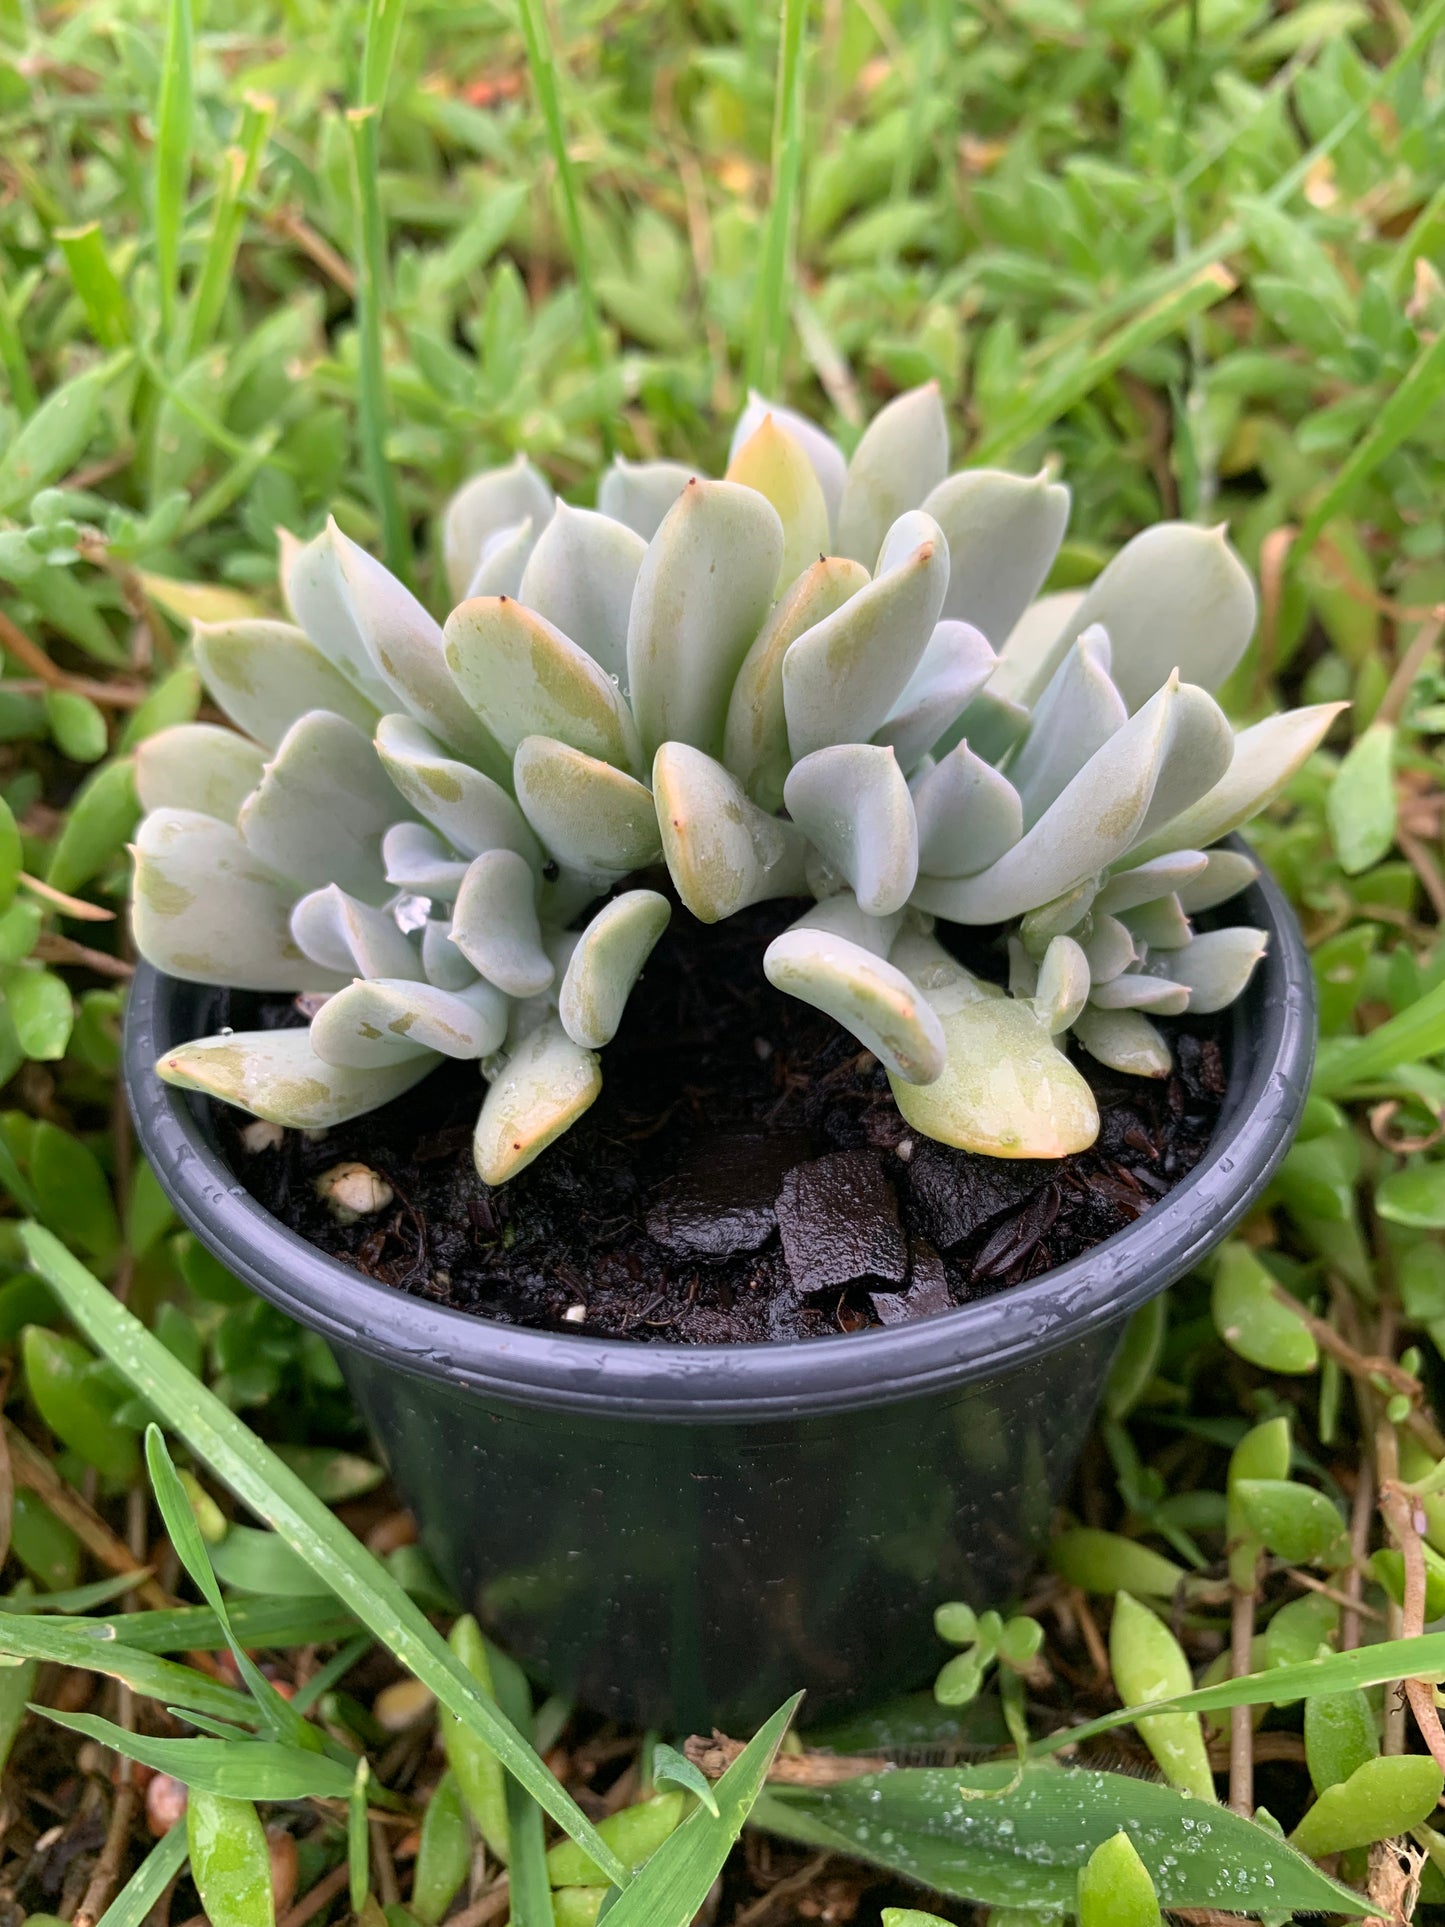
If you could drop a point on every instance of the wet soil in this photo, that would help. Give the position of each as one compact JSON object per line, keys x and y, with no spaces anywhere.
{"x":744,"y":1175}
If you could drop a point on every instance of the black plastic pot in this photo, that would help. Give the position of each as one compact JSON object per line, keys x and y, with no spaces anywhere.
{"x":679,"y":1536}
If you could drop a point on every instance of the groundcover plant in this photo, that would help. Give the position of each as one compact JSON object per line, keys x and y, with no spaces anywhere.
{"x":813,"y":677}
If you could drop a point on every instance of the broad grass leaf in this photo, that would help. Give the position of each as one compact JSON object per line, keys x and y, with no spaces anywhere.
{"x":91,"y":1647}
{"x":236,"y":1769}
{"x":1024,"y":1845}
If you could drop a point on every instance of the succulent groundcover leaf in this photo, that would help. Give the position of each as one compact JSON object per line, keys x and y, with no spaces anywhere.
{"x":818,"y":679}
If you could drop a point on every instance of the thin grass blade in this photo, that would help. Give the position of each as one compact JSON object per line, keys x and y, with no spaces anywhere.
{"x":674,"y":1883}
{"x":274,"y":1493}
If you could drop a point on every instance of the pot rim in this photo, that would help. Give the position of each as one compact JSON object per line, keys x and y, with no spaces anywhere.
{"x":1272,"y":1052}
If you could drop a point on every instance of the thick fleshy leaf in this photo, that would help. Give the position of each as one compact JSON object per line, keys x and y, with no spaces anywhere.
{"x":1160,"y":925}
{"x":505,"y":555}
{"x":755,"y":740}
{"x":841,"y":915}
{"x":351,"y":938}
{"x":722,"y":851}
{"x":704,"y":589}
{"x":408,"y":650}
{"x":900,"y":459}
{"x":495,"y":924}
{"x":525,"y":678}
{"x":317,"y":597}
{"x":539,"y":1091}
{"x":968,"y":815}
{"x":1057,"y":918}
{"x":1087,"y":828}
{"x":1003,"y":532}
{"x":1032,"y":652}
{"x":276,"y":1075}
{"x":319,"y":813}
{"x":372,"y":1024}
{"x":415,"y":858}
{"x":206,"y":910}
{"x":1216,"y":967}
{"x":639,"y":494}
{"x":842,"y":677}
{"x":606,"y":962}
{"x":1006,"y":1088}
{"x":1175,"y":597}
{"x":954,"y":667}
{"x":865,"y":993}
{"x":1137,"y":990}
{"x":774,"y":463}
{"x":1264,"y":759}
{"x":443,"y":963}
{"x":1201,"y":746}
{"x":581,"y":576}
{"x":590,"y":816}
{"x":830,"y":465}
{"x":1109,"y":947}
{"x":264,"y":675}
{"x":494,"y":500}
{"x":1076,"y":715}
{"x":852,"y":803}
{"x":1223,"y":875}
{"x":472,"y":812}
{"x":1125,"y":1040}
{"x":1063,"y":985}
{"x":1145,"y":882}
{"x":196,"y":766}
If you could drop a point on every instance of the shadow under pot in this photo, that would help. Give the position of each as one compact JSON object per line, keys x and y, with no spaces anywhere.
{"x":683,"y":1535}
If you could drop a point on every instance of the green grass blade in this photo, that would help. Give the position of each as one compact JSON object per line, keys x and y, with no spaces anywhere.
{"x":1410,"y":1037}
{"x":1419,"y":1658}
{"x":275,"y":1494}
{"x":1049,"y":400}
{"x":383,"y":31}
{"x":175,"y":113}
{"x":262,"y":1623}
{"x":15,"y":361}
{"x":372,"y":408}
{"x":95,"y":281}
{"x":544,"y":78}
{"x":1407,"y":409}
{"x":240,"y":166}
{"x":236,"y":1769}
{"x":770,"y":318}
{"x":69,"y":1643}
{"x":670,"y":1888}
{"x":149,"y":1881}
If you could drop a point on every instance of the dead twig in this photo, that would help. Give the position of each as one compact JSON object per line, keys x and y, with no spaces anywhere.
{"x":33,"y":1470}
{"x":713,"y":1757}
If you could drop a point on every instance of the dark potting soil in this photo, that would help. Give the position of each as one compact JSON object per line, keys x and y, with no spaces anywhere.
{"x":744,"y":1175}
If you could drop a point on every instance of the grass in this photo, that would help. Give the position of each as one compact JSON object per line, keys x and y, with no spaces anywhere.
{"x":261,"y":265}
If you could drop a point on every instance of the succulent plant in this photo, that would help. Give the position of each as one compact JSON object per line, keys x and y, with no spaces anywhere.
{"x":814,"y":678}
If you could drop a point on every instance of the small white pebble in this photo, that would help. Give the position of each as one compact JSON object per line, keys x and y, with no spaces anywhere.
{"x":261,"y":1135}
{"x":352,"y":1191}
{"x":763,"y":1048}
{"x":442,"y":1278}
{"x":575,"y":1314}
{"x":904,"y":1150}
{"x":402,"y":1704}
